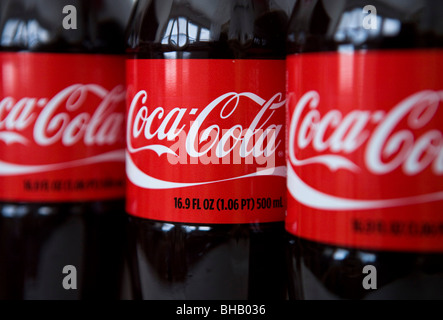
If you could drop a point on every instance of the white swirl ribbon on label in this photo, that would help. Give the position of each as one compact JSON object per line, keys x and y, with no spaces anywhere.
{"x":10,"y":169}
{"x":143,"y":180}
{"x":313,"y":198}
{"x":13,"y":137}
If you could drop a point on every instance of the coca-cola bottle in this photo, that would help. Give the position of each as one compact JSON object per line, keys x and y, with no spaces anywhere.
{"x":205,"y":149}
{"x":365,"y":150}
{"x":62,"y":178}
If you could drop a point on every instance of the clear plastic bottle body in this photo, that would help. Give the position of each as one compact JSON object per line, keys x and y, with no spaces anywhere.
{"x":172,"y":260}
{"x":327,"y":271}
{"x":40,"y":238}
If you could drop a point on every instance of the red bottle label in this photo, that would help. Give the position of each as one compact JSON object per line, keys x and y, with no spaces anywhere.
{"x":61,"y":127}
{"x":365,"y":149}
{"x":205,"y":140}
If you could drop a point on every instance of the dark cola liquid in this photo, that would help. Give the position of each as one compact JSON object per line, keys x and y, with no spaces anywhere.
{"x":217,"y":261}
{"x":37,"y":240}
{"x":322,"y":271}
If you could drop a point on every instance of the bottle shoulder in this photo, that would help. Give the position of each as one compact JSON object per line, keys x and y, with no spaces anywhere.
{"x":202,"y":29}
{"x":63,"y":26}
{"x":354,"y":25}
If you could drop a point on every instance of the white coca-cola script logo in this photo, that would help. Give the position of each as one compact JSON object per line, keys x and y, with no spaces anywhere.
{"x":68,"y":118}
{"x":388,"y":147}
{"x":175,"y":135}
